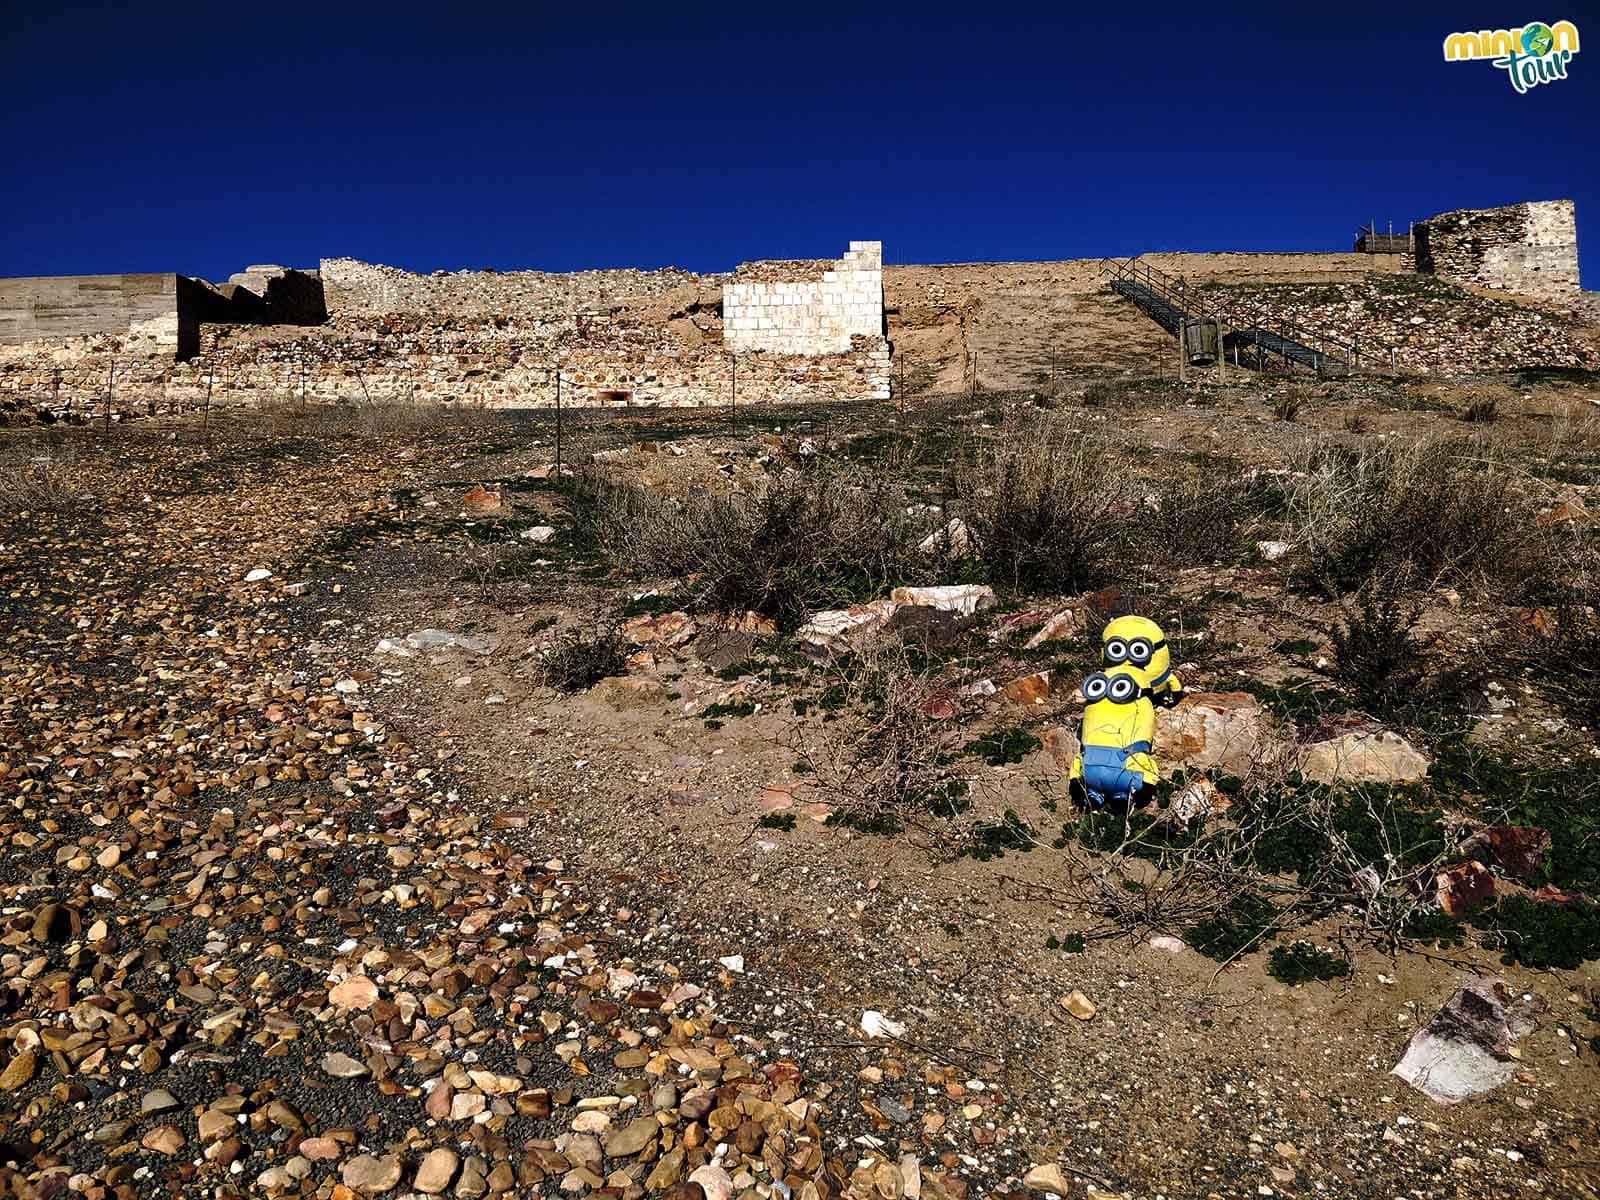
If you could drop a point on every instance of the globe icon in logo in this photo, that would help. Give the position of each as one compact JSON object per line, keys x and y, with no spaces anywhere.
{"x":1537,"y":39}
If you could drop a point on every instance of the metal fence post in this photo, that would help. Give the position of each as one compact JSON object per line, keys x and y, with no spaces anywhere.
{"x":111,"y":386}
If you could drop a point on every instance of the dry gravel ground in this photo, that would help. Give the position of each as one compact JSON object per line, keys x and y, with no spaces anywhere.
{"x":282,"y":914}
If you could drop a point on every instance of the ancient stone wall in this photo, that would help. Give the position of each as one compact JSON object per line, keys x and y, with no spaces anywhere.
{"x":287,"y":296}
{"x":1529,"y":248}
{"x":795,"y":308}
{"x":479,"y":366}
{"x":157,"y":313}
{"x":355,"y":289}
{"x":67,"y":306}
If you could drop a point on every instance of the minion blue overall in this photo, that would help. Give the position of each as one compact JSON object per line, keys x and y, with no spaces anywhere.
{"x":1114,"y":765}
{"x":1137,"y":644}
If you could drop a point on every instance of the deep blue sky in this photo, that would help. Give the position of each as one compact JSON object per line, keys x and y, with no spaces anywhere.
{"x":201,"y":138}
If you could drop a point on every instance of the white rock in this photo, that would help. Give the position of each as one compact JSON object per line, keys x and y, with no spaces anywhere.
{"x":954,"y":537}
{"x":837,"y":629}
{"x":875,"y":1024}
{"x":1167,"y":942}
{"x":1466,"y":1049}
{"x":717,"y":1183}
{"x":1377,"y":757}
{"x":257,"y":575}
{"x":1220,"y":729}
{"x":539,"y":534}
{"x":734,"y":963}
{"x":443,"y":639}
{"x":962,"y":598}
{"x":1272,"y":551}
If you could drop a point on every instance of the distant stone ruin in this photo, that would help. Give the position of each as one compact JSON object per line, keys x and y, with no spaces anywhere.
{"x":1529,"y":248}
{"x":772,"y":331}
{"x":162,"y":311}
{"x":805,"y":307}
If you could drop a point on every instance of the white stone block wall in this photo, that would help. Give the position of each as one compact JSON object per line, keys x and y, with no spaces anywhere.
{"x":1529,"y":248}
{"x":815,"y":316}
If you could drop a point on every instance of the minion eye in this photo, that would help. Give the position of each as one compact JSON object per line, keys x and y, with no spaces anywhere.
{"x":1139,"y":651}
{"x":1122,"y":689}
{"x":1116,"y":651}
{"x":1095,"y":687}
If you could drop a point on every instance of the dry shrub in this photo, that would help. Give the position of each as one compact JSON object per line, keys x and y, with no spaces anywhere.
{"x":1195,"y":520}
{"x":1283,"y":855}
{"x":882,"y":761}
{"x":1439,"y":511}
{"x":1043,"y":506}
{"x":820,"y":537}
{"x":1375,"y":648}
{"x":38,"y":484}
{"x":581,"y":657}
{"x":397,"y":417}
{"x":1562,"y":649}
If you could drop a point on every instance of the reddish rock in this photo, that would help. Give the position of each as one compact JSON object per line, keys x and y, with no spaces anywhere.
{"x":1570,"y":511}
{"x":1105,"y":601}
{"x":1464,"y":887}
{"x":776,"y":798}
{"x":748,"y":622}
{"x":480,"y":501}
{"x":1030,"y":689}
{"x":1519,"y":849}
{"x":1537,"y":620}
{"x":1551,"y":894}
{"x":941,"y":706}
{"x":664,"y":629}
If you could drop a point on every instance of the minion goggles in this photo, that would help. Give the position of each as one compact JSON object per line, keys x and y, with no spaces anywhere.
{"x":1138,"y":651}
{"x":1118,"y":688}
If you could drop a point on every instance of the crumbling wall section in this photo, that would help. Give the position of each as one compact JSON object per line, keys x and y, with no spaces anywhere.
{"x":356,"y":289}
{"x":805,"y":307}
{"x":1529,"y":248}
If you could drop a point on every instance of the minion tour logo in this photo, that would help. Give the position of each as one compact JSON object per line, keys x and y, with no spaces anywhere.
{"x":1537,"y":53}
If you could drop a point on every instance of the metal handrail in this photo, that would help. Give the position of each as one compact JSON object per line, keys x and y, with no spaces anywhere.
{"x":1318,"y":341}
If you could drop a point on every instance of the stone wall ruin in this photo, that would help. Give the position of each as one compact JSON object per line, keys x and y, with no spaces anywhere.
{"x":805,"y":307}
{"x":158,"y":313}
{"x":1529,"y":248}
{"x":492,"y":339}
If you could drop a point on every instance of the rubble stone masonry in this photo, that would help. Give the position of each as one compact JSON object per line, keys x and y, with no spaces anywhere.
{"x":353,"y":289}
{"x":1529,"y":248}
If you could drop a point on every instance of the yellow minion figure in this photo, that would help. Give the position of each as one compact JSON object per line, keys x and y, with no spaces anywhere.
{"x":1137,"y":643}
{"x":1114,"y":764}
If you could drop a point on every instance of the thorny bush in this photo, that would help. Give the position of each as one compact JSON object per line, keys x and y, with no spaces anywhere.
{"x":818,"y":537}
{"x":882,"y":761}
{"x":1375,"y":650}
{"x":1444,"y":511}
{"x":1286,"y":854}
{"x":579,"y":658}
{"x":1196,"y":521}
{"x":1043,"y":506}
{"x":37,"y":484}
